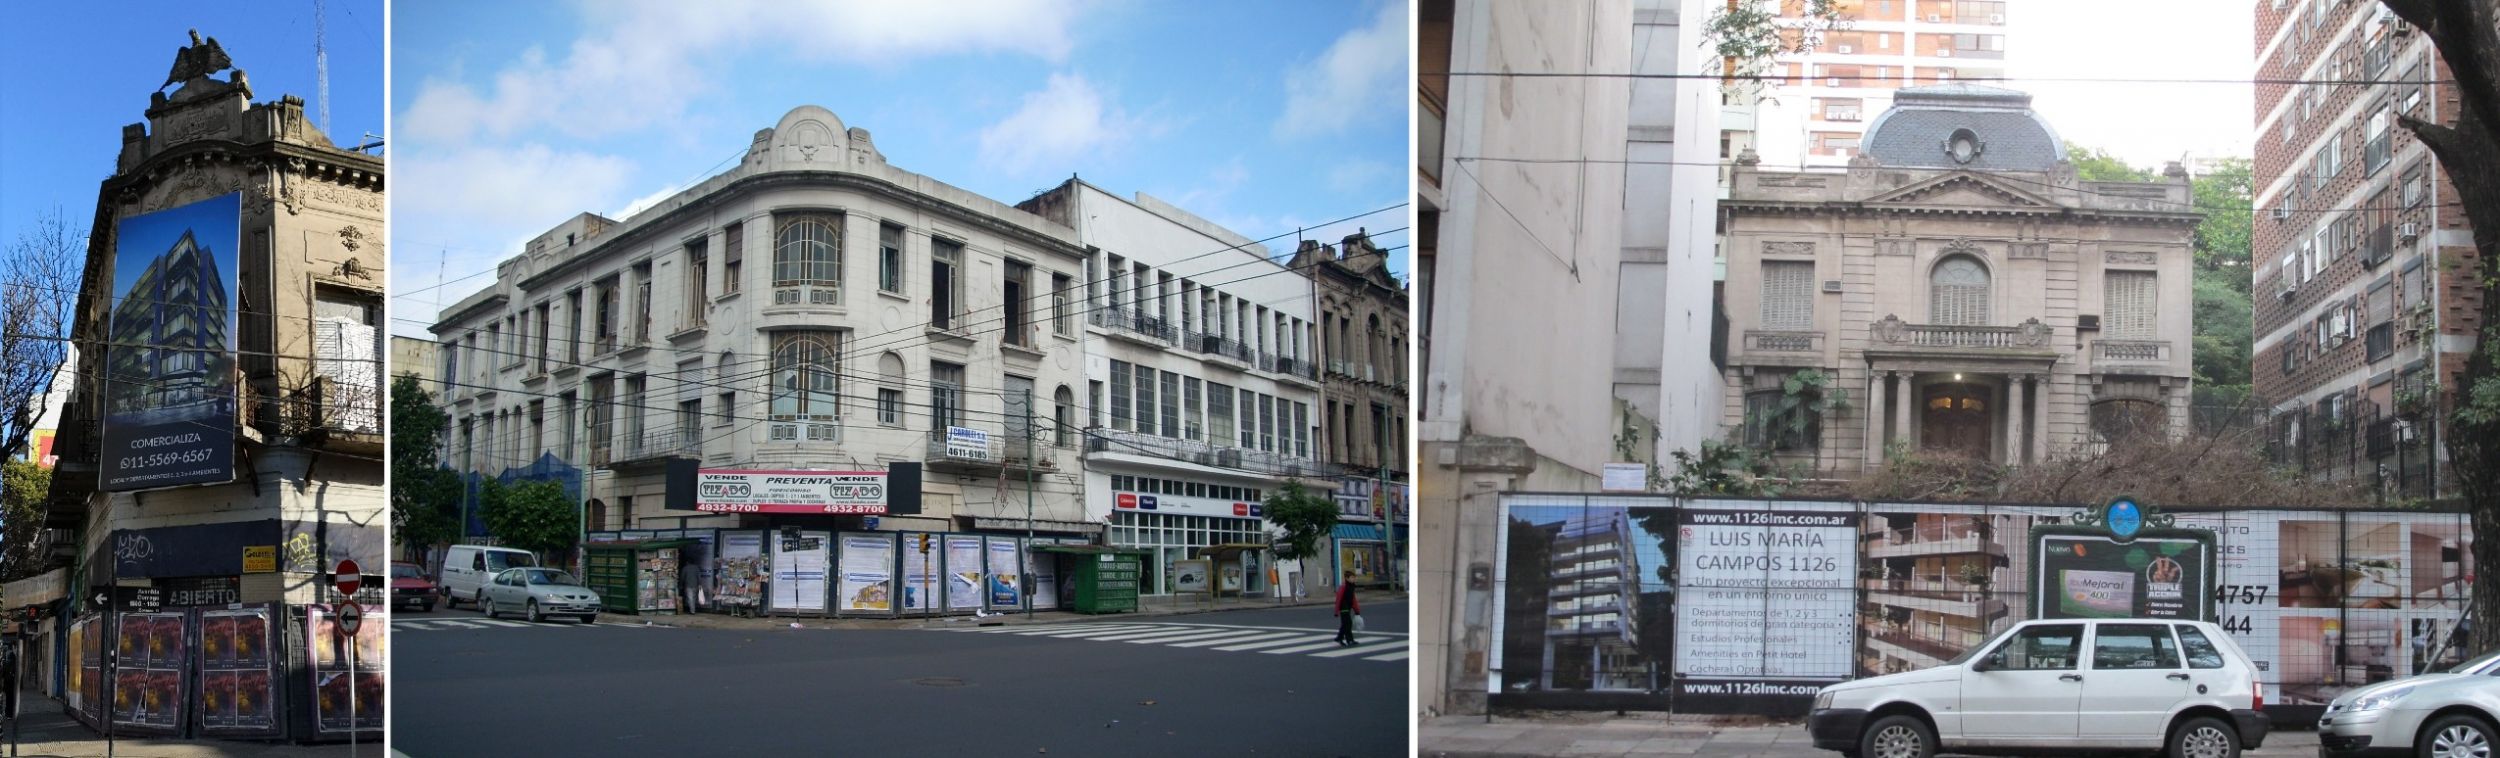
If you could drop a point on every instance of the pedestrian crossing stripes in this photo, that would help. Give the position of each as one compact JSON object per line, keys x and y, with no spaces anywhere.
{"x":480,"y":622}
{"x":1270,"y":640}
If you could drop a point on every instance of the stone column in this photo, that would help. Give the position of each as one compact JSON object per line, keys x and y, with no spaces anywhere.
{"x":2005,"y":421}
{"x":1901,"y":410}
{"x":1875,"y":416}
{"x":2014,"y":410}
{"x":2040,"y":421}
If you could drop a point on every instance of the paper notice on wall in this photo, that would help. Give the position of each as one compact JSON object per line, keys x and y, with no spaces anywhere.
{"x":867,"y":572}
{"x":799,"y":574}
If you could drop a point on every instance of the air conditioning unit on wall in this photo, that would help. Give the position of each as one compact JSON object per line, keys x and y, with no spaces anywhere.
{"x":2407,"y":233}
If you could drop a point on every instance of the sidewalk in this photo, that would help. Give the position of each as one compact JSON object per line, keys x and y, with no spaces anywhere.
{"x":1637,"y":734}
{"x":1149,"y":607}
{"x":46,"y":732}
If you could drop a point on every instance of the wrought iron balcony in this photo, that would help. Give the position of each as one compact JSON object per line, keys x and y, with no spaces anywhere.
{"x":1134,"y":323}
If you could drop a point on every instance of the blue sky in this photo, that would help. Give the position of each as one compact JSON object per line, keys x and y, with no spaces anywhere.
{"x":79,"y":72}
{"x":510,"y":118}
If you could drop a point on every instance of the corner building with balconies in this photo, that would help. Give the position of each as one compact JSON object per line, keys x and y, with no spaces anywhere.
{"x":1965,"y":288}
{"x":813,"y":308}
{"x":1202,"y":375}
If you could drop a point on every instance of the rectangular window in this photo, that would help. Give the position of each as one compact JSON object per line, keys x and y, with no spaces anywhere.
{"x":1190,"y":407}
{"x":1171,"y":404}
{"x":1249,"y":422}
{"x":1219,"y":414}
{"x":1788,"y":295}
{"x":1014,"y":291}
{"x":1267,"y":423}
{"x":544,"y":327}
{"x":698,"y":284}
{"x":1145,"y":400}
{"x":890,"y":258}
{"x":609,"y":313}
{"x":1120,"y":397}
{"x":733,"y":252}
{"x":946,"y":382}
{"x":889,"y":406}
{"x":1302,"y":430}
{"x":807,"y":381}
{"x":1062,"y":312}
{"x":728,"y":401}
{"x":2130,"y":299}
{"x":945,"y":281}
{"x":689,"y":419}
{"x":1093,"y":404}
{"x":642,"y":302}
{"x":2131,"y":646}
{"x":573,"y":337}
{"x":2048,"y":647}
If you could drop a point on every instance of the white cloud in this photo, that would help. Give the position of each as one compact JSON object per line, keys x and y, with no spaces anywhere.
{"x":640,"y":63}
{"x":1066,"y":121}
{"x":1355,"y":80}
{"x":498,"y":194}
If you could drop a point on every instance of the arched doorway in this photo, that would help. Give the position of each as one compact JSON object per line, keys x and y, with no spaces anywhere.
{"x":1954,"y":418}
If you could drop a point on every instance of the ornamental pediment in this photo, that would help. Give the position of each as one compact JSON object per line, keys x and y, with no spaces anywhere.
{"x":1962,"y":189}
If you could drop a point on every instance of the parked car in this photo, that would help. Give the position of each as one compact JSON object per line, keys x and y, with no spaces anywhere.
{"x":538,"y":593}
{"x":2447,"y":713}
{"x":2084,"y":686}
{"x":466,"y":568}
{"x":410,"y":588}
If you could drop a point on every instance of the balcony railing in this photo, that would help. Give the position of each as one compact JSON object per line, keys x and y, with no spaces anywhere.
{"x":1215,"y":345}
{"x":2130,"y":351}
{"x":1136,"y":322}
{"x":1766,"y":341}
{"x":990,"y":446}
{"x":2029,"y":335}
{"x":672,"y":443}
{"x":1107,"y":440}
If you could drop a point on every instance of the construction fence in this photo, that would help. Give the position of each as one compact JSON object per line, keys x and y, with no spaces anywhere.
{"x":1729,"y":605}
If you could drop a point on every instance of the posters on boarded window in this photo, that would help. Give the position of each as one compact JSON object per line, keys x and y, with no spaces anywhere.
{"x":921,"y":569}
{"x":964,"y":573}
{"x":347,"y":692}
{"x":867,"y":573}
{"x":743,"y":570}
{"x":234,"y":693}
{"x":169,"y":414}
{"x":799,"y":571}
{"x":1045,"y":572}
{"x":148,"y":673}
{"x":1006,"y":583}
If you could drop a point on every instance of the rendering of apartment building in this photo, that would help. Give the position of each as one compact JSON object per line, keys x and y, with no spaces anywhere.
{"x":1591,"y":610}
{"x":1931,"y":586}
{"x":219,"y":449}
{"x":814,"y":308}
{"x":1967,"y":290}
{"x":1202,"y":375}
{"x":1508,"y":404}
{"x":2361,"y":311}
{"x":1827,"y":97}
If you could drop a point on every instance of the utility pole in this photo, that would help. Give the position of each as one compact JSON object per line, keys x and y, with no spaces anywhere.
{"x":1029,"y":463}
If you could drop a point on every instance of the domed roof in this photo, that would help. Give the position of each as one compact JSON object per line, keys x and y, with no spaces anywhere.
{"x":1962,"y":126}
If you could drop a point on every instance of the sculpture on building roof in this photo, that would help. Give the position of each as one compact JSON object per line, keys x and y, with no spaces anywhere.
{"x":201,"y":58}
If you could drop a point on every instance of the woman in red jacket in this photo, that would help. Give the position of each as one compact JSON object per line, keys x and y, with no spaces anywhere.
{"x":1347,"y":609}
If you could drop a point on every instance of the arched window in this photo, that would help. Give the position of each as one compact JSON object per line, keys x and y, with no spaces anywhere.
{"x":1958,"y":292}
{"x":807,"y":251}
{"x":1371,"y":344}
{"x":807,"y":381}
{"x":890,"y":389}
{"x":1063,"y":414}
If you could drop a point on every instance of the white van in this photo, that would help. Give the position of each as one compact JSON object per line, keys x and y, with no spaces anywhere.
{"x":467,"y":568}
{"x":2081,"y":686}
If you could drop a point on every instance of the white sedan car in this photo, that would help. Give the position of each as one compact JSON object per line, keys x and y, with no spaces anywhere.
{"x":538,"y":593}
{"x":2445,"y":714}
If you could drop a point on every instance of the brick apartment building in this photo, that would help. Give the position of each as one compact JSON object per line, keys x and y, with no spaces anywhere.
{"x":2362,"y":255}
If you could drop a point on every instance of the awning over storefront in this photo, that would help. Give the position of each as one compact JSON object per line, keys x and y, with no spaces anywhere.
{"x":1365,"y":532}
{"x":36,"y":590}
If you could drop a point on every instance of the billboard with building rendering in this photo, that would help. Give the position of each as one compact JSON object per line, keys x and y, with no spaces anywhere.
{"x":170,"y":376}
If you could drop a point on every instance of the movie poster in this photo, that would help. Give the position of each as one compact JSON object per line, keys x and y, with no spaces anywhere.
{"x":347,"y":698}
{"x":169,"y":419}
{"x":149,"y":677}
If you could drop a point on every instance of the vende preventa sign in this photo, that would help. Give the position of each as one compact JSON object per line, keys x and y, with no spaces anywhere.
{"x":746,"y":491}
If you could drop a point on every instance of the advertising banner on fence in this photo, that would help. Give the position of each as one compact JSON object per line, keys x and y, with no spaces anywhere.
{"x":1766,"y":602}
{"x":745,"y":491}
{"x":169,"y":413}
{"x":799,"y":571}
{"x":867,"y":572}
{"x":1006,"y":583}
{"x":964,"y":573}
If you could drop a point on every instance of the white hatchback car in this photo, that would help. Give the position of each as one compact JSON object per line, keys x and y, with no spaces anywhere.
{"x":2450,"y":713}
{"x":2090,"y":686}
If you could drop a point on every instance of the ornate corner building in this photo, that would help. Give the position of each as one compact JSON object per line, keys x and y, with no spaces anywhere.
{"x":1960,"y":287}
{"x":223,"y":451}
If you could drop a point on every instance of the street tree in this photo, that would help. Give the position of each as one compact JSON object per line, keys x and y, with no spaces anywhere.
{"x":1305,"y":518}
{"x":23,"y":485}
{"x":531,"y":515}
{"x":2466,"y":34}
{"x":38,"y":291}
{"x":425,"y":497}
{"x":2096,"y":165}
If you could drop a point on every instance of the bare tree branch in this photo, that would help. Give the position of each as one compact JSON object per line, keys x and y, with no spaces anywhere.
{"x":37,"y":295}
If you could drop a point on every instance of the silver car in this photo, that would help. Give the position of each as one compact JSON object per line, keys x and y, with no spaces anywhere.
{"x":2451,"y":713}
{"x":538,"y":593}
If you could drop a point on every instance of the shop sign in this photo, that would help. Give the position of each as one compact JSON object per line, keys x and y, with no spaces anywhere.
{"x":1189,"y":506}
{"x":747,"y":491}
{"x":203,"y":591}
{"x":260,"y":559}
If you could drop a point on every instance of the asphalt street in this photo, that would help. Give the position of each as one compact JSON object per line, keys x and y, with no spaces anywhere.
{"x":1231,"y":683}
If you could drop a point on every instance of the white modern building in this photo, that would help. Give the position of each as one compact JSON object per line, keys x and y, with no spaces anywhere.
{"x":1202,"y":380}
{"x":1663,"y":309}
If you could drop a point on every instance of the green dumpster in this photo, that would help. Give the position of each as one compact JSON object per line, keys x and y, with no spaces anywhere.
{"x":1098,"y":579}
{"x":634,"y":577}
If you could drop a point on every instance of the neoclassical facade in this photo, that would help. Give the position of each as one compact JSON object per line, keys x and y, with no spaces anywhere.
{"x":1969,"y":293}
{"x":813,"y":308}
